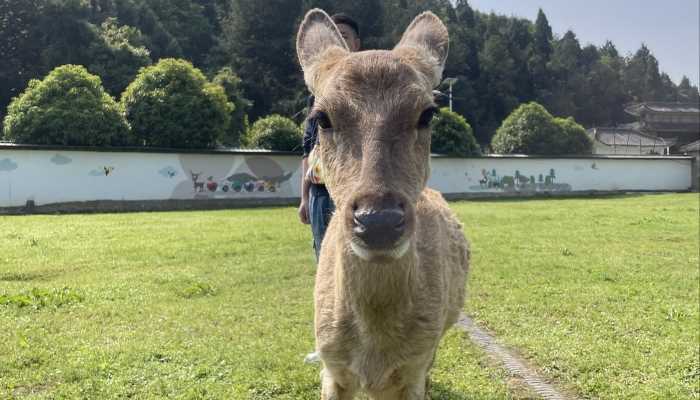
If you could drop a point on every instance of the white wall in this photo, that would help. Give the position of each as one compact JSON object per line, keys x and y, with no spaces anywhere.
{"x":55,"y":176}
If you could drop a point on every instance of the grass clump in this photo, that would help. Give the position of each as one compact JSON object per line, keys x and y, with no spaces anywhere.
{"x":37,"y":298}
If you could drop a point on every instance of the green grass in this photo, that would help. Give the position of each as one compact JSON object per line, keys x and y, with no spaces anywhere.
{"x":181,"y":305}
{"x":599,"y":294}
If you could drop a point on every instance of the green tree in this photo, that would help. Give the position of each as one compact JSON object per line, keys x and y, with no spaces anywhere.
{"x":688,"y":92}
{"x":641,"y":76}
{"x":542,"y":37}
{"x":190,"y":24}
{"x":275,"y":132}
{"x":172,"y":104}
{"x":531,"y":129}
{"x":452,"y":135}
{"x":567,"y":74}
{"x":573,"y":137}
{"x":68,"y":107}
{"x":232,"y":85}
{"x":118,"y":55}
{"x":20,"y":47}
{"x":271,"y":76}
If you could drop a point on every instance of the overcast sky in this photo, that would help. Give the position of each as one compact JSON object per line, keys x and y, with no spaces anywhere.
{"x":670,"y":28}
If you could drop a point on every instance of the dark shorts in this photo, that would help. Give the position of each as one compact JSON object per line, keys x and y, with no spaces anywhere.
{"x":321,"y":209}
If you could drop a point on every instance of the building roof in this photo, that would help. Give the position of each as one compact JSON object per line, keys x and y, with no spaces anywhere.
{"x":690,"y":147}
{"x":661,"y":107}
{"x":618,"y":136}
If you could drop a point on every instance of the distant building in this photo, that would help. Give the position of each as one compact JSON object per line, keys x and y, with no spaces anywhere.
{"x":662,"y":128}
{"x":626,"y":141}
{"x":668,"y":120}
{"x":691,"y":149}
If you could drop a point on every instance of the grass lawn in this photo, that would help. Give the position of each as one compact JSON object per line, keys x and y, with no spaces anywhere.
{"x":600,"y":294}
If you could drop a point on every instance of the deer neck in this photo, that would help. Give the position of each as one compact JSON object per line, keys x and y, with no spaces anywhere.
{"x":380,"y":288}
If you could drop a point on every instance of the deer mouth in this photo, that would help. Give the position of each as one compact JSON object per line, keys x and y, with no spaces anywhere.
{"x":368,"y":254}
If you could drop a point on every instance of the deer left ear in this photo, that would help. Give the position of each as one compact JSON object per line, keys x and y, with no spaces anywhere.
{"x":318,"y":36}
{"x":426,"y":43}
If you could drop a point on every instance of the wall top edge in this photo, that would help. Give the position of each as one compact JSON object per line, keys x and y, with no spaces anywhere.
{"x":157,"y":150}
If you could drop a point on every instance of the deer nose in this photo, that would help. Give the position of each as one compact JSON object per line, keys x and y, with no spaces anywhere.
{"x":379,"y":229}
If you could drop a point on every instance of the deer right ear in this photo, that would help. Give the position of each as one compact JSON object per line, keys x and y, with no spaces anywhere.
{"x":318,"y":39}
{"x":426,"y":43}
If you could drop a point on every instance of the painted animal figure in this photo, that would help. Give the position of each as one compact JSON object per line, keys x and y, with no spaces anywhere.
{"x":197,"y":186}
{"x":393,"y":264}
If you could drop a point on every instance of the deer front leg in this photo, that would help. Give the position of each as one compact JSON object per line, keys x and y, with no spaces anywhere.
{"x":410,"y":385}
{"x":331,"y":389}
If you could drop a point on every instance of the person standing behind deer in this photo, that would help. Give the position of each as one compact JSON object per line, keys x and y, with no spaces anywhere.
{"x":316,"y":205}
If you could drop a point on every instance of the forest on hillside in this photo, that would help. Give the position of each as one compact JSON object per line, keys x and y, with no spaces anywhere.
{"x":499,"y":61}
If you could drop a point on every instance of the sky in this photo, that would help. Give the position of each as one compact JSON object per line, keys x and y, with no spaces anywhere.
{"x":670,"y":28}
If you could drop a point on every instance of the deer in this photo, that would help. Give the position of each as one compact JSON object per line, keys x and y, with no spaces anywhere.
{"x":393,"y":265}
{"x":196,"y":185}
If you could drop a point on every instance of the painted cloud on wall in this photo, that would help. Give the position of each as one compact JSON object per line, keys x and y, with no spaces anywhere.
{"x":7,"y":165}
{"x":60,"y":159}
{"x":168,"y":172}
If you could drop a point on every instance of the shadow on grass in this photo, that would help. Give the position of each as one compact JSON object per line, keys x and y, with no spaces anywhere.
{"x":28,"y":276}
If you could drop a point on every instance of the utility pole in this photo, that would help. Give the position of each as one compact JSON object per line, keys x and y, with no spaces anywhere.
{"x":450,"y":82}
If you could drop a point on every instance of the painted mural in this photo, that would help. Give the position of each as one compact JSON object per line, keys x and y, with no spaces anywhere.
{"x":60,"y":159}
{"x":232,"y":177}
{"x":7,"y":165}
{"x":48,"y":177}
{"x":516,"y":182}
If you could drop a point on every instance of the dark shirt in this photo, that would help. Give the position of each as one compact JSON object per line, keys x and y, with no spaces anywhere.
{"x":311,"y":131}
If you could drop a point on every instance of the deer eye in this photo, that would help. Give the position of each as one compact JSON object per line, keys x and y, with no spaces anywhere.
{"x":322,"y":118}
{"x":426,"y":117}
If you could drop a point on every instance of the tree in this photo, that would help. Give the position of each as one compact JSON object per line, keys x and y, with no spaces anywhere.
{"x":641,"y":76}
{"x":542,"y":37}
{"x":172,"y":104}
{"x":452,"y":135}
{"x":118,"y":55}
{"x":574,"y":139}
{"x":232,"y":85}
{"x":187,"y":23}
{"x":275,"y":77}
{"x":688,"y":92}
{"x":20,"y":47}
{"x":568,"y":76}
{"x":275,"y":132}
{"x":531,"y":129}
{"x":68,"y":107}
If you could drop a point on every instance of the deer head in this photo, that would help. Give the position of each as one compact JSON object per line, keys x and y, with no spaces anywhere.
{"x":374,"y":110}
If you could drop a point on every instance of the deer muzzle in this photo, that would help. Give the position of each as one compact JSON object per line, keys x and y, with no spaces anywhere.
{"x":380,"y":225}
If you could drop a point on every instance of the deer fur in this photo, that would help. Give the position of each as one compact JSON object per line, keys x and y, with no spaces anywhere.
{"x":380,"y":312}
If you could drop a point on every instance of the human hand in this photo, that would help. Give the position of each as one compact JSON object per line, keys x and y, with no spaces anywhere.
{"x":304,"y":212}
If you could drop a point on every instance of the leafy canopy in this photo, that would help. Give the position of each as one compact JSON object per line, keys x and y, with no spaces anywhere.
{"x":68,"y":107}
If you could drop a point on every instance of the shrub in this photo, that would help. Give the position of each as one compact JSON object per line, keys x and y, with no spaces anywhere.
{"x":453,"y":136}
{"x":531,"y":129}
{"x":172,"y":104}
{"x":275,"y":132}
{"x":68,"y":107}
{"x":575,"y":137}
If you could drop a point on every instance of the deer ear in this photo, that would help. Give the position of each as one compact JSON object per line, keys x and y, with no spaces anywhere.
{"x":317,"y":35}
{"x":426,"y":43}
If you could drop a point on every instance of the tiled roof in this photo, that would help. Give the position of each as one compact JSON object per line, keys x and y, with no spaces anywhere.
{"x":690,"y":147}
{"x":637,"y":108}
{"x":628,"y":137}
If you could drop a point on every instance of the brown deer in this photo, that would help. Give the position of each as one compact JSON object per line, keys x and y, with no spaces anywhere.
{"x":393,"y":265}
